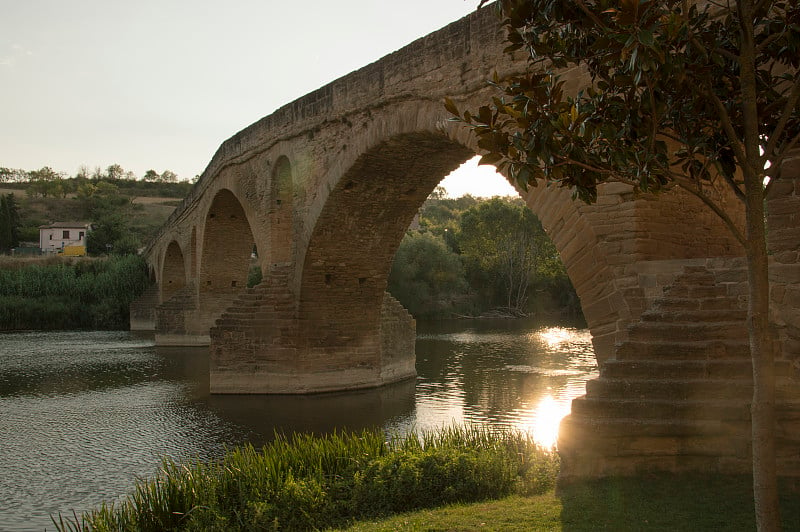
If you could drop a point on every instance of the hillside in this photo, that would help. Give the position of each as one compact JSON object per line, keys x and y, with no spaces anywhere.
{"x":144,"y":207}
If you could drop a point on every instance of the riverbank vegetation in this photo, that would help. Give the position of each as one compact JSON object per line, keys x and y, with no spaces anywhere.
{"x":470,"y":256}
{"x":77,"y":293}
{"x":448,"y":479}
{"x":308,"y":483}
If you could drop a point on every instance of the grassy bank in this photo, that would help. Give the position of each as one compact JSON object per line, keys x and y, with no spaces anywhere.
{"x":58,"y":293}
{"x":307,"y":483}
{"x":447,"y":480}
{"x":666,"y":503}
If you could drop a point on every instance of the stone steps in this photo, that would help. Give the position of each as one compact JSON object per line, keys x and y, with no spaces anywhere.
{"x":688,"y":331}
{"x":678,"y":390}
{"x":725,"y":315}
{"x":737,"y":368}
{"x":677,"y":369}
{"x":697,"y":409}
{"x":678,"y":349}
{"x":677,"y":409}
{"x":267,"y":306}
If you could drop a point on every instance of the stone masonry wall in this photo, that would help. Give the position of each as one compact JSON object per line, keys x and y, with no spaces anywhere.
{"x":398,"y":336}
{"x":783,"y":226}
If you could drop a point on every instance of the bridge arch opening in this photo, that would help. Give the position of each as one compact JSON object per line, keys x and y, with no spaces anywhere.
{"x":366,"y":214}
{"x":350,"y":252}
{"x":281,"y":210}
{"x":226,"y":252}
{"x":173,"y":274}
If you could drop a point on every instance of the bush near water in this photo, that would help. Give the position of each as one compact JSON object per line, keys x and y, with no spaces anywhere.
{"x":70,"y":293}
{"x":306,"y":482}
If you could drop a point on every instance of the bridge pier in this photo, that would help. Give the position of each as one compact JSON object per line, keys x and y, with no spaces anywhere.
{"x":182,"y":321}
{"x":257,"y":347}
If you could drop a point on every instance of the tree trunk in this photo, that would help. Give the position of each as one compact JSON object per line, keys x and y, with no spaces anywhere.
{"x":762,"y":409}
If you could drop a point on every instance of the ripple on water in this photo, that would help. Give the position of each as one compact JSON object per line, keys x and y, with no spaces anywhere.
{"x":82,"y":415}
{"x":88,"y":443}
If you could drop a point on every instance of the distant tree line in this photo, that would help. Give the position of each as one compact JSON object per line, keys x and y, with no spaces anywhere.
{"x":46,"y":182}
{"x":471,"y":256}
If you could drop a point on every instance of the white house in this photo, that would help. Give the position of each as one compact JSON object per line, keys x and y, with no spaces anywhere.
{"x":59,"y":236}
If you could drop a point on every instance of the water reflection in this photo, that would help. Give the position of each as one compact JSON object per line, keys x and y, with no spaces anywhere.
{"x":263,"y":416}
{"x":85,"y":414}
{"x":513,"y":374}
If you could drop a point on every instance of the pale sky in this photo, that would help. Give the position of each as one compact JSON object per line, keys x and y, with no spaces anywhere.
{"x":161,"y":83}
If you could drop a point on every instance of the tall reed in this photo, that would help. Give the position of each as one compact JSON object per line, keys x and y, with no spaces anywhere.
{"x":85,"y":294}
{"x":305,"y":482}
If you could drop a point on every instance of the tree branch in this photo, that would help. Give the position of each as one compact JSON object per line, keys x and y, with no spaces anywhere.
{"x":590,"y":14}
{"x":725,"y":121}
{"x":766,"y":42}
{"x":567,"y":160}
{"x":791,"y":103}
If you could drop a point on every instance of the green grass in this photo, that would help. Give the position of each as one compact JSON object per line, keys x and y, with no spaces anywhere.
{"x":511,"y":514}
{"x":668,"y":503}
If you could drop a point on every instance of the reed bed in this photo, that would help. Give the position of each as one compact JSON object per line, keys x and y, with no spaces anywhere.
{"x":80,"y":294}
{"x":306,"y":482}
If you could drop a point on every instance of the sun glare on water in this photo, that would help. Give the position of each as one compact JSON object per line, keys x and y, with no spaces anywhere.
{"x":554,"y":336}
{"x":543,"y":420}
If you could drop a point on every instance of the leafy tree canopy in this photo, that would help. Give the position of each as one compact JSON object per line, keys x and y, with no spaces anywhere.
{"x":665,"y":102}
{"x":702,"y":95}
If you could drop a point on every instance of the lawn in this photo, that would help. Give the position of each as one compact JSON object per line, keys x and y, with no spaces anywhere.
{"x":657,"y":503}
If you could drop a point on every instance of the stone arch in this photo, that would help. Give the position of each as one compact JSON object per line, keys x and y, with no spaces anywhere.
{"x":364,"y":217}
{"x":173,"y":274}
{"x":227,"y":245}
{"x":349,"y":254}
{"x":280,"y":210}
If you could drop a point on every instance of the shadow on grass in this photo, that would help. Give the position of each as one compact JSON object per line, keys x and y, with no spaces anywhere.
{"x":669,"y":502}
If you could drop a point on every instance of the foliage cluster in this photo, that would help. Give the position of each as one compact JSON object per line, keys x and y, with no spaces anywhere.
{"x":109,"y":212}
{"x":80,"y":294}
{"x":472,"y":255}
{"x":308,"y":483}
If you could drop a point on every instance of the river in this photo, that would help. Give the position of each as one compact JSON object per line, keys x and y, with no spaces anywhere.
{"x":84,"y":414}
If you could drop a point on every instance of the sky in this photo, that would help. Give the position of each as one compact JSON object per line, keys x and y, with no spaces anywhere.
{"x":160,"y":84}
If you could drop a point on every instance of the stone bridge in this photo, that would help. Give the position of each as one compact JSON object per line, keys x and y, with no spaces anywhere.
{"x":320,"y":193}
